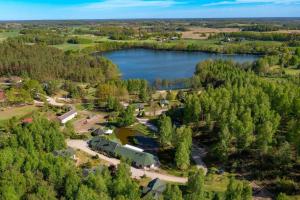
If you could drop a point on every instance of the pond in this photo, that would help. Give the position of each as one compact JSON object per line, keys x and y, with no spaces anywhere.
{"x":133,"y":137}
{"x":158,"y":64}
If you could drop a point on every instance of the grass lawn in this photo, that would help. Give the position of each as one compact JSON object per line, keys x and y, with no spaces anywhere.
{"x":86,"y":159}
{"x":5,"y":35}
{"x":292,"y":71}
{"x":67,"y":46}
{"x":18,"y":112}
{"x":216,"y":183}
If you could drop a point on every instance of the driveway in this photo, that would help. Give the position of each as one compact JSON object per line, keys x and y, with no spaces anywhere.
{"x":136,"y":173}
{"x":197,"y":154}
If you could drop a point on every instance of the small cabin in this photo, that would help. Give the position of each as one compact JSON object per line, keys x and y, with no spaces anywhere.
{"x":2,"y":95}
{"x":164,"y":103}
{"x":67,"y":116}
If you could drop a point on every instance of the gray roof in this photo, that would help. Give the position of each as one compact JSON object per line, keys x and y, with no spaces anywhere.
{"x":155,"y":188}
{"x":102,"y":144}
{"x":140,"y":159}
{"x":68,"y":114}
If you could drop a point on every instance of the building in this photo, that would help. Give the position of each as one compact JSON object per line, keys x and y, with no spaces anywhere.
{"x":138,"y":158}
{"x":68,"y":116}
{"x":101,"y":131}
{"x":27,"y":121}
{"x":154,"y":189}
{"x":2,"y":95}
{"x":164,"y":103}
{"x":66,"y":153}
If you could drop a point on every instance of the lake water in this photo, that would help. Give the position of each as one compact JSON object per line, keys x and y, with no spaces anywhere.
{"x":159,"y":64}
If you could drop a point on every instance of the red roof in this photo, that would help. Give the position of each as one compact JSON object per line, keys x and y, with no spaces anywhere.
{"x":2,"y":94}
{"x":27,"y":121}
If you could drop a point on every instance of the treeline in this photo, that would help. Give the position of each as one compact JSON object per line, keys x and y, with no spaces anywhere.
{"x":247,"y":117}
{"x":229,"y":48}
{"x":113,"y":32}
{"x":40,"y":36}
{"x":282,"y":37}
{"x":45,"y":63}
{"x":261,"y":28}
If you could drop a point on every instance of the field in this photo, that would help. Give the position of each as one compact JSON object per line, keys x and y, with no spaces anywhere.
{"x":203,"y":33}
{"x":6,"y":35}
{"x":18,"y":112}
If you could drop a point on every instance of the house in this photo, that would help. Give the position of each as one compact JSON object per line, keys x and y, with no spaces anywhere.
{"x":154,"y":189}
{"x":28,"y":120}
{"x":67,"y":116}
{"x":140,"y":107}
{"x":66,"y":153}
{"x":138,"y":158}
{"x":2,"y":95}
{"x":164,"y":103}
{"x":101,"y":131}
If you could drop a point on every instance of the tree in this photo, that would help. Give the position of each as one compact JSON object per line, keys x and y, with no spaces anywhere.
{"x":33,"y":87}
{"x":222,"y":147}
{"x":192,"y":109}
{"x":123,"y":184}
{"x":183,"y":145}
{"x":282,"y":196}
{"x":165,"y":130}
{"x":172,"y":192}
{"x":127,"y":117}
{"x":264,"y":136}
{"x":195,"y":185}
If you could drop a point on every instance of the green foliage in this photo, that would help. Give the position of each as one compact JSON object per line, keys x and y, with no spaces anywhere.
{"x":238,"y":190}
{"x":195,"y":186}
{"x":165,"y":130}
{"x":127,"y":117}
{"x":183,"y":143}
{"x":45,"y":63}
{"x":172,"y":192}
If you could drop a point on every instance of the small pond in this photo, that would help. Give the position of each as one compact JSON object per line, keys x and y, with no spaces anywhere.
{"x":132,"y":137}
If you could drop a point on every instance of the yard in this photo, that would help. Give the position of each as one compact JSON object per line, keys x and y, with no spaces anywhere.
{"x":8,"y":113}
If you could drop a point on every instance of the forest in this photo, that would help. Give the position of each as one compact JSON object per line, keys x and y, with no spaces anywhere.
{"x":43,"y":63}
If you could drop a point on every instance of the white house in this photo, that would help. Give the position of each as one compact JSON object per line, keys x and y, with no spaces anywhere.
{"x":68,"y":116}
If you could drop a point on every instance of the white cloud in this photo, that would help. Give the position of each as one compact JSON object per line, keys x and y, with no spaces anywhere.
{"x":235,"y":2}
{"x":107,"y":4}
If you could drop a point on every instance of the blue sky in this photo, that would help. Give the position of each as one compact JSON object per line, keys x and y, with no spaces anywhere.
{"x":116,"y":9}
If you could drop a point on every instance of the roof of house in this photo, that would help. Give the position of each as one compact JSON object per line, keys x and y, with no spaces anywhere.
{"x":98,"y":131}
{"x":103,"y":144}
{"x":27,"y":120}
{"x":137,"y":157}
{"x":155,"y":188}
{"x":69,"y":152}
{"x":68,"y":114}
{"x":2,"y":94}
{"x":164,"y":101}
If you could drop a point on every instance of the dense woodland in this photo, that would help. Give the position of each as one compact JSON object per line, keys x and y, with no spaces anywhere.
{"x":250,"y":123}
{"x":45,"y":63}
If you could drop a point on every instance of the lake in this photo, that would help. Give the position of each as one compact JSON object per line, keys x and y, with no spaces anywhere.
{"x":158,"y":64}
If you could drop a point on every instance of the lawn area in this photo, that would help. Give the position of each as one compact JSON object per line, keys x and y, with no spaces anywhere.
{"x":87,"y":160}
{"x":72,"y":47}
{"x":292,"y":71}
{"x":5,"y":35}
{"x":18,"y":112}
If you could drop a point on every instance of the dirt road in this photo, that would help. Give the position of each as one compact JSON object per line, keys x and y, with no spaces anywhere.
{"x":136,"y":173}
